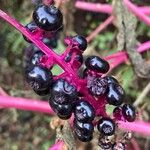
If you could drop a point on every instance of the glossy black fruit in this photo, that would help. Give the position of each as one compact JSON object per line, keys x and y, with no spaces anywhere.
{"x":97,"y":86}
{"x":115,"y":94}
{"x":84,"y":112}
{"x":62,"y":92}
{"x":39,"y":78}
{"x":128,"y":112}
{"x":104,"y":145}
{"x":97,"y":64}
{"x":111,"y":79}
{"x":81,"y":137}
{"x":64,"y":111}
{"x":86,"y":128}
{"x":82,"y":42}
{"x":106,"y":126}
{"x":48,"y":18}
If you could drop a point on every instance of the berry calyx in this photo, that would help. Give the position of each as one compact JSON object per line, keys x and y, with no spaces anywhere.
{"x":81,"y":41}
{"x":48,"y":18}
{"x":128,"y":112}
{"x":106,"y":126}
{"x":115,"y":94}
{"x":97,"y":64}
{"x":84,"y":112}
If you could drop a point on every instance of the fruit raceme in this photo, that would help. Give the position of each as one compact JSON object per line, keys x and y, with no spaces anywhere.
{"x":85,"y":98}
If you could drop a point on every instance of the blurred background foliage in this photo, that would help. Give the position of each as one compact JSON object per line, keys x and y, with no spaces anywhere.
{"x":27,"y":130}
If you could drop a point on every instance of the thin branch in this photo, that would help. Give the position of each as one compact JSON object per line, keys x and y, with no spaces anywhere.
{"x":25,"y":104}
{"x":101,"y":27}
{"x":135,"y":144}
{"x":134,"y":9}
{"x":2,"y":92}
{"x":141,"y":97}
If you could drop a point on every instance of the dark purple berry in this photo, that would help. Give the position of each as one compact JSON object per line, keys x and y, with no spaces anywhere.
{"x":106,"y":126}
{"x":48,"y":18}
{"x":42,"y":92}
{"x":30,"y":27}
{"x":64,"y":111}
{"x":86,"y":128}
{"x":84,"y":112}
{"x":35,"y":59}
{"x":79,"y":58}
{"x":115,"y":94}
{"x":97,"y":86}
{"x":97,"y":64}
{"x":39,"y":78}
{"x":128,"y":112}
{"x":119,"y":146}
{"x":82,"y":42}
{"x":111,"y":79}
{"x":62,"y":92}
{"x":81,"y":137}
{"x":104,"y":145}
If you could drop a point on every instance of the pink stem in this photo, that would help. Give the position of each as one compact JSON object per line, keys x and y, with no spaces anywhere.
{"x":47,"y":2}
{"x":96,"y":7}
{"x":104,"y":8}
{"x":25,"y":104}
{"x":138,"y":127}
{"x":57,"y":146}
{"x":135,"y":144}
{"x":101,"y":27}
{"x":49,"y":52}
{"x":134,"y":9}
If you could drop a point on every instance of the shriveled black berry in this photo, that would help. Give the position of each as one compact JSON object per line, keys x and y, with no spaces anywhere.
{"x":115,"y":94}
{"x":128,"y":112}
{"x":48,"y":18}
{"x":39,"y":78}
{"x":97,"y":86}
{"x":64,"y":111}
{"x":63,"y":92}
{"x":86,"y":128}
{"x":111,"y":79}
{"x":119,"y":146}
{"x":97,"y":64}
{"x":82,"y":42}
{"x":81,"y":137}
{"x":84,"y":112}
{"x":30,"y":27}
{"x":106,"y":126}
{"x":35,"y":59}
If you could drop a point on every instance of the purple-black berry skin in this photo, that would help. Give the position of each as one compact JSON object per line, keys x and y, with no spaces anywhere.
{"x":86,"y":128}
{"x":97,"y":86}
{"x":63,"y":92}
{"x":84,"y":112}
{"x":128,"y":112}
{"x":64,"y":111}
{"x":81,"y":137}
{"x":106,"y":126}
{"x":48,"y":18}
{"x":35,"y":59}
{"x":82,"y":42}
{"x":38,"y":77}
{"x":115,"y":94}
{"x":111,"y":80}
{"x":97,"y":64}
{"x":105,"y":145}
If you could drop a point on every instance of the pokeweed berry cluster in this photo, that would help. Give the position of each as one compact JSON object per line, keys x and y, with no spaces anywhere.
{"x":84,"y":97}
